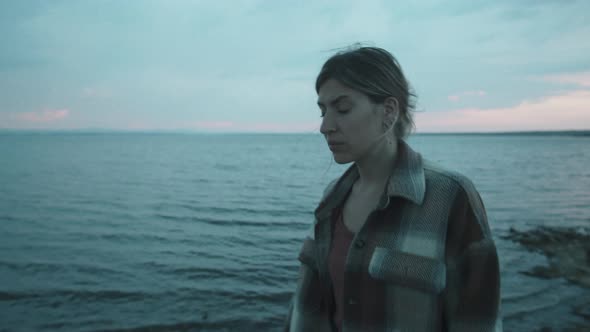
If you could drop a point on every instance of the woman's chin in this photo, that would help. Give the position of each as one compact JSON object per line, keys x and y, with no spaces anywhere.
{"x":341,"y":158}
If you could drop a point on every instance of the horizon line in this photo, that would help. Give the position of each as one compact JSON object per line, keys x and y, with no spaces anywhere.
{"x":193,"y":131}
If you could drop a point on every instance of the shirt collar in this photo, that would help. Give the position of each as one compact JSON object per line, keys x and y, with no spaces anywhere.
{"x":406,"y":181}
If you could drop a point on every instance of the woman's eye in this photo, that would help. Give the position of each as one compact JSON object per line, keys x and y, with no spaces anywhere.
{"x":340,"y":110}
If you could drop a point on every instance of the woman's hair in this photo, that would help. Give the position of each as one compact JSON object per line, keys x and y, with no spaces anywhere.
{"x":375,"y":72}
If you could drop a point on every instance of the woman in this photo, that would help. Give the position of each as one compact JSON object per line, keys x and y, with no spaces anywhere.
{"x":398,"y":243}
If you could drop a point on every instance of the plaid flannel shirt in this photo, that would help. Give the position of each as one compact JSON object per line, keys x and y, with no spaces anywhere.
{"x":426,"y":250}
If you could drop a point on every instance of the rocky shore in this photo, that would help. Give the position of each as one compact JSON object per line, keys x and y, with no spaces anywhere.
{"x":568,"y":255}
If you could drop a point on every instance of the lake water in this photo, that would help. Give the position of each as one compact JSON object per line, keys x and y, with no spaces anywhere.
{"x":183,"y":232}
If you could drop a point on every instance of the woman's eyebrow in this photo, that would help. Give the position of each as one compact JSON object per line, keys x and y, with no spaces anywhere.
{"x":334,"y":101}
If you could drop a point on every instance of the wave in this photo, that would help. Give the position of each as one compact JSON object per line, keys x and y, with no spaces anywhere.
{"x":76,"y":295}
{"x":204,"y":325}
{"x":517,"y":298}
{"x":77,"y":268}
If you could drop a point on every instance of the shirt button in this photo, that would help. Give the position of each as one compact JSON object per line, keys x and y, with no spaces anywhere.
{"x":359,"y":244}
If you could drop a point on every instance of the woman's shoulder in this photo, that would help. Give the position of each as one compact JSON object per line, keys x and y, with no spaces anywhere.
{"x":437,"y":174}
{"x":455,"y":188}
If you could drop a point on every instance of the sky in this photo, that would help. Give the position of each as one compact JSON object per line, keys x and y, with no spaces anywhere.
{"x":250,"y":66}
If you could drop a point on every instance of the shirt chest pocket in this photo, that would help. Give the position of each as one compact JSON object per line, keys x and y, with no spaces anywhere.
{"x":408,"y":270}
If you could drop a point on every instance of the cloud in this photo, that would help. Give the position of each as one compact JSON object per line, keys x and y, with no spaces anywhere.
{"x":252,"y":61}
{"x":459,"y":96}
{"x":284,"y":127}
{"x":475,"y":93}
{"x":214,"y":125}
{"x":581,"y":79}
{"x":269,"y":127}
{"x":44,"y":116}
{"x":566,"y":111}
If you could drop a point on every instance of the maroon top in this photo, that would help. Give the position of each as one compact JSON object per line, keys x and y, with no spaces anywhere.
{"x":341,"y":239}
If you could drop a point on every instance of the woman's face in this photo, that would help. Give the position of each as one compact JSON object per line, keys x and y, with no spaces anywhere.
{"x":351,"y":123}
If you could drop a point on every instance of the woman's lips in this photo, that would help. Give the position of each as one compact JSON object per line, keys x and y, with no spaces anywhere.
{"x":335,"y":146}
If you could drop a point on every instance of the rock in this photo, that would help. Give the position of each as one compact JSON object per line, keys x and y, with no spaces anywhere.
{"x":567,"y":250}
{"x":544,"y":272}
{"x":583,"y":311}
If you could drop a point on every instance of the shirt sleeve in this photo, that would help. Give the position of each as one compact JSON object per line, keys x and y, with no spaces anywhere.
{"x":305,"y":269}
{"x":306,"y":310}
{"x":472,"y":296}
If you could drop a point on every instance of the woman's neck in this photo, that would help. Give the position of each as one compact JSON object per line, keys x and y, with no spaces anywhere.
{"x":376,"y":166}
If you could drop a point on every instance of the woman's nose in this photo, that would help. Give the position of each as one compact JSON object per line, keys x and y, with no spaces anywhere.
{"x":327,"y":125}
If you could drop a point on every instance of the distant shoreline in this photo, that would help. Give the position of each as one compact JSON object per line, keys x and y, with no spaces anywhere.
{"x":188,"y":132}
{"x":516,"y":133}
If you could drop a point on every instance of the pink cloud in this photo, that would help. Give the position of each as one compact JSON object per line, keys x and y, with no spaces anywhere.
{"x":458,"y":96}
{"x":479,"y":93}
{"x":569,"y":110}
{"x":255,"y":127}
{"x":283,"y":127}
{"x":43,"y":116}
{"x":214,"y":124}
{"x":582,"y":79}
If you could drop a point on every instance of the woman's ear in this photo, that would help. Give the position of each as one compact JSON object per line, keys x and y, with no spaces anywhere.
{"x":391,"y":108}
